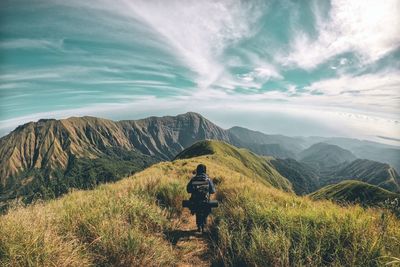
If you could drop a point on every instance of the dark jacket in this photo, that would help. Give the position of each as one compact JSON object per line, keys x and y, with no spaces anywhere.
{"x":201,"y":177}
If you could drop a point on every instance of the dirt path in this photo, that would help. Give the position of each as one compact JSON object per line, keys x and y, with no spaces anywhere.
{"x":192,"y":246}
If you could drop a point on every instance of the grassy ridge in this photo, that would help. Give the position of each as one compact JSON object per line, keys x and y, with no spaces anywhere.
{"x":257,"y":225}
{"x":240,"y":160}
{"x":354,"y":191}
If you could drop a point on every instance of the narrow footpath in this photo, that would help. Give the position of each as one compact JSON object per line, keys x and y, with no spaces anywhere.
{"x":193,"y":247}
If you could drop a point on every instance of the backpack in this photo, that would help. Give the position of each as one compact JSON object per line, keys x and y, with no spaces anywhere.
{"x":201,"y":189}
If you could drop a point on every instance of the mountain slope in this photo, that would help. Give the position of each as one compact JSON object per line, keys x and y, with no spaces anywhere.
{"x":48,"y":143}
{"x":362,"y":149}
{"x":252,"y":139}
{"x":273,"y":150}
{"x":138,"y":222}
{"x":354,"y":192}
{"x":303,"y":178}
{"x":238,"y":159}
{"x":322,"y":156}
{"x":45,"y":158}
{"x":372,"y":172}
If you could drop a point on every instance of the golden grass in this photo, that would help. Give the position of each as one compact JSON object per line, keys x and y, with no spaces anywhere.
{"x":125,"y":223}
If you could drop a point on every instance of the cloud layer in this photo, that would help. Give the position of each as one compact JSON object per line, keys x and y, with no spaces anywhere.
{"x":112,"y":58}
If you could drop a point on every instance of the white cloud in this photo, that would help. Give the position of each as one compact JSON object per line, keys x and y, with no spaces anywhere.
{"x":374,"y":92}
{"x":199,"y":31}
{"x":386,"y":81}
{"x":370,"y":28}
{"x":343,"y":61}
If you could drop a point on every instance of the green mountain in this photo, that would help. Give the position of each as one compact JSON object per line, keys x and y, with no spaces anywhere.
{"x":44,"y":159}
{"x":303,"y":178}
{"x":139,"y":221}
{"x":253,"y":139}
{"x":360,"y":148}
{"x":372,"y":172}
{"x":273,"y":150}
{"x":322,"y":156}
{"x":239,"y":159}
{"x":363,"y":149}
{"x":351,"y":191}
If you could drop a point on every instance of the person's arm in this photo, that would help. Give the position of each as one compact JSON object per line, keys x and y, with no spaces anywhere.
{"x":212,"y":186}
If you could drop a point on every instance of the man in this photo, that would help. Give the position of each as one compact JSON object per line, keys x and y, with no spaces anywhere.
{"x":200,"y":186}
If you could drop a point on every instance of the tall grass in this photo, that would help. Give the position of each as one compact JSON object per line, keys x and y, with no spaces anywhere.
{"x":124,"y":224}
{"x":283,"y":230}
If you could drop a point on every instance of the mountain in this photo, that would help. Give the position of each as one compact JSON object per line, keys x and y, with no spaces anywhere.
{"x":273,"y":150}
{"x":334,"y":164}
{"x":252,"y":139}
{"x":351,"y":191}
{"x":49,"y":143}
{"x":239,"y":159}
{"x":361,"y":148}
{"x":372,"y":172}
{"x":47,"y":157}
{"x":139,"y":221}
{"x":303,"y":178}
{"x":322,"y":156}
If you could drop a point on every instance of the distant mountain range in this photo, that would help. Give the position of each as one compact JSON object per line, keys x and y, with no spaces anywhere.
{"x":322,"y":156}
{"x":46,"y":158}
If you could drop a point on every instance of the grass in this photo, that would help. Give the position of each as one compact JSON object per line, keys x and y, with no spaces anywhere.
{"x":354,"y":191}
{"x":240,"y":160}
{"x":256,"y":224}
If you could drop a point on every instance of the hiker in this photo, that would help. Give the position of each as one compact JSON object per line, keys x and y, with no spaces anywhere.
{"x":200,"y":186}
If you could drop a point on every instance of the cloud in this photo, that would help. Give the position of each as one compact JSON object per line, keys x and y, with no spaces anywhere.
{"x":369,"y":28}
{"x":210,"y":56}
{"x":261,"y":108}
{"x":24,"y":43}
{"x":199,"y":31}
{"x":373,"y":91}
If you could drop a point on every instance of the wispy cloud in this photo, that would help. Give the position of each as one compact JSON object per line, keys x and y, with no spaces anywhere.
{"x":199,"y":31}
{"x":23,"y":43}
{"x":144,"y":57}
{"x":372,"y":91}
{"x":369,"y":28}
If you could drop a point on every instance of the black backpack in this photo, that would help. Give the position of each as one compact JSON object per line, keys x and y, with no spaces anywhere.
{"x":201,"y":189}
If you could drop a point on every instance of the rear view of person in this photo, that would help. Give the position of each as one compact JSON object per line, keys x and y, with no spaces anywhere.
{"x":200,"y":186}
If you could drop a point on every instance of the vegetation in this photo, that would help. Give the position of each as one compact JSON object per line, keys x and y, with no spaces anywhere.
{"x":372,"y":172}
{"x":354,"y":191}
{"x":126,"y":223}
{"x":81,"y":173}
{"x":303,"y":178}
{"x":241,"y":160}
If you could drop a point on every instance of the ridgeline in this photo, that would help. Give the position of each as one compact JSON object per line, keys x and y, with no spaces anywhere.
{"x":139,"y":221}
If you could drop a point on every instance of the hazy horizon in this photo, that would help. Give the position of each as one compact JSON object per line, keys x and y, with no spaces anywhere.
{"x":280,"y":67}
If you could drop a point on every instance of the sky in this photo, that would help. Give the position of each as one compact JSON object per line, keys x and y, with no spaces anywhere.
{"x":299,"y":68}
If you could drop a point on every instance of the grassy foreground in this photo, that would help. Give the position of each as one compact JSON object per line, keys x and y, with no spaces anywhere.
{"x":125,"y":224}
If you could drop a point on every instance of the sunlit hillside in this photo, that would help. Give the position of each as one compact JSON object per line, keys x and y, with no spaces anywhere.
{"x":355,"y":191}
{"x":136,"y":222}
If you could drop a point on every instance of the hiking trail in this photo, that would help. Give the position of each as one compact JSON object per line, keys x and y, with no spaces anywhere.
{"x":193,"y":248}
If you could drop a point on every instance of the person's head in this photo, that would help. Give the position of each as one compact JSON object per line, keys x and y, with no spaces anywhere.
{"x":201,"y":168}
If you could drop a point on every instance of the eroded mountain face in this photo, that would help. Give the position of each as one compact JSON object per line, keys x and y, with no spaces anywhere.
{"x":50,"y":156}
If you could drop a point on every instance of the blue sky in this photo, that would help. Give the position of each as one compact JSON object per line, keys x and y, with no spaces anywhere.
{"x":292,"y":67}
